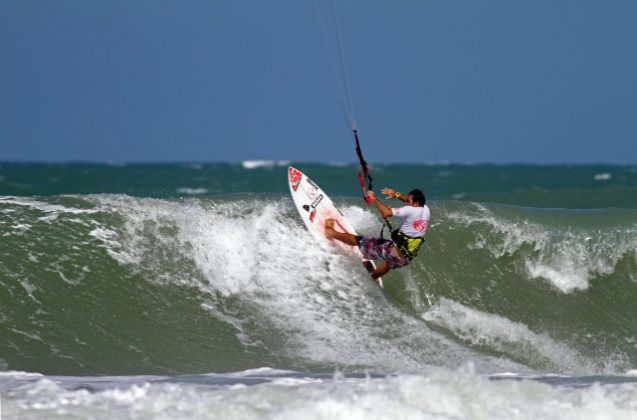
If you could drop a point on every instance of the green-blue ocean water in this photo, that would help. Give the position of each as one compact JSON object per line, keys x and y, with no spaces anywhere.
{"x":180,"y":269}
{"x":560,"y":186}
{"x":176,"y":268}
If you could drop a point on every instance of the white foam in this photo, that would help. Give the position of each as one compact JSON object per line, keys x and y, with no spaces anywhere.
{"x":29,"y":288}
{"x":505,"y":336}
{"x":241,"y":334}
{"x":322,"y":302}
{"x":17,"y":374}
{"x":73,"y":281}
{"x":51,"y":211}
{"x":53,"y":215}
{"x":567,"y":257}
{"x":30,"y":335}
{"x":603,"y":177}
{"x":110,"y":241}
{"x":510,"y":235}
{"x":566,"y":276}
{"x":44,"y":206}
{"x":78,"y":221}
{"x":438,"y":394}
{"x":22,"y":227}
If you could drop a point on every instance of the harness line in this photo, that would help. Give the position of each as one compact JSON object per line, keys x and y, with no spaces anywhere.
{"x":339,"y":74}
{"x":409,"y":246}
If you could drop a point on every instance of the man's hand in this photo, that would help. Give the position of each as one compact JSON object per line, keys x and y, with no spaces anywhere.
{"x":385,"y":211}
{"x":389,"y":193}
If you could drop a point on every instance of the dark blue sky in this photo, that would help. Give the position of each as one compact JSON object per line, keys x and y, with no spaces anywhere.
{"x":545,"y":81}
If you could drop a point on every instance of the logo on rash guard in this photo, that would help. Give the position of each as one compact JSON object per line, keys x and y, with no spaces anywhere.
{"x":420,"y":225}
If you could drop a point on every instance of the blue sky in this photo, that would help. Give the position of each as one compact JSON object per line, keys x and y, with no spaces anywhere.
{"x":545,"y":81}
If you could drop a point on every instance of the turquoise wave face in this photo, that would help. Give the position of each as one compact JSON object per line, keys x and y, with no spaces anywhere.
{"x":115,"y":284}
{"x":554,"y":186}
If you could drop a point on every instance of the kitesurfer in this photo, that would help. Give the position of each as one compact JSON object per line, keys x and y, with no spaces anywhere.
{"x":405,"y":241}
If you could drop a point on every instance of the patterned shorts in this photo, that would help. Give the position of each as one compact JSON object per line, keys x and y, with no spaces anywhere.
{"x":376,"y":248}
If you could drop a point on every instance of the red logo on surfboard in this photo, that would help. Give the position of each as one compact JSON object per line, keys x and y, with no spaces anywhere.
{"x":295,"y":178}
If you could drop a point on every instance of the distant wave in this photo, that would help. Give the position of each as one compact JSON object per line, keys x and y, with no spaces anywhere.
{"x":254,"y":164}
{"x":603,"y":177}
{"x":192,"y":191}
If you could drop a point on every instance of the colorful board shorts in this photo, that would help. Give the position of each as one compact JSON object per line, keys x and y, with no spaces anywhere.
{"x":384,"y":249}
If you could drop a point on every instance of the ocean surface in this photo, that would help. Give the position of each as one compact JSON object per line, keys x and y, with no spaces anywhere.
{"x":195,"y":291}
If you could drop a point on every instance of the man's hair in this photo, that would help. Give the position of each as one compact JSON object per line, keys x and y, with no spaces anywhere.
{"x":419,"y":197}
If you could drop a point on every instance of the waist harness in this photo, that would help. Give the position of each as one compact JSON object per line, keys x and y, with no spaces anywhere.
{"x":408,"y":245}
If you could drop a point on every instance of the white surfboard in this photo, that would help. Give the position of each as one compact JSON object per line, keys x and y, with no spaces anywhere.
{"x":314,"y":207}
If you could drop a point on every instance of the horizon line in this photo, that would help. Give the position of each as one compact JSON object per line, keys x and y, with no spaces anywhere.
{"x":256,"y":163}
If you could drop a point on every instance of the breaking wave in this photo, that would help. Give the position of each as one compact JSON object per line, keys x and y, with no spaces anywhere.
{"x":112,"y":284}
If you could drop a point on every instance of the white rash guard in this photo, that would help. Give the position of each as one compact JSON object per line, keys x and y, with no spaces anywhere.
{"x":415,"y":220}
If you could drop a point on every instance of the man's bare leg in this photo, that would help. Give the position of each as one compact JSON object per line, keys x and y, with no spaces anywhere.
{"x":350,"y":239}
{"x":346,"y":238}
{"x":380,"y":271}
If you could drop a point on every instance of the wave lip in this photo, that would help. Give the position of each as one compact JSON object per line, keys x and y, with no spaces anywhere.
{"x":562,"y":247}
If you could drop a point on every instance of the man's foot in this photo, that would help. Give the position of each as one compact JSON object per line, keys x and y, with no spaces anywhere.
{"x":329,"y":228}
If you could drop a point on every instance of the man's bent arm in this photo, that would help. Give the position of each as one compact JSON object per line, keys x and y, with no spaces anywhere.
{"x":384,"y":211}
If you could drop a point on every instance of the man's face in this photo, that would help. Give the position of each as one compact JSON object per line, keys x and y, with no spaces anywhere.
{"x":410,"y":199}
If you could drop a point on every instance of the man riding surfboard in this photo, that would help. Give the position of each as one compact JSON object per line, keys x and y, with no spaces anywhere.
{"x":406,"y":240}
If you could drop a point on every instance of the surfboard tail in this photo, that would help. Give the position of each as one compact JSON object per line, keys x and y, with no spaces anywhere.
{"x":369,"y":266}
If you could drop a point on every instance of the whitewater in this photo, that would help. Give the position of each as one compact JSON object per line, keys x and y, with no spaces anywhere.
{"x":222,"y":306}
